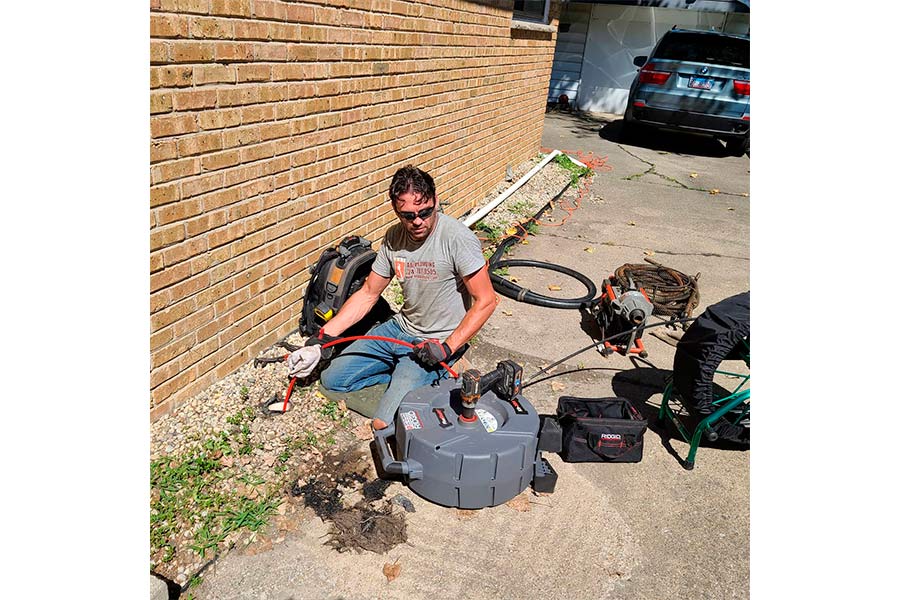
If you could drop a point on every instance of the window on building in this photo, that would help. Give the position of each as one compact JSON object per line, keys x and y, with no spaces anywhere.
{"x":531,"y":10}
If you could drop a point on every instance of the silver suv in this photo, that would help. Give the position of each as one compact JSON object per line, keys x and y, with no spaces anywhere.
{"x":697,"y":82}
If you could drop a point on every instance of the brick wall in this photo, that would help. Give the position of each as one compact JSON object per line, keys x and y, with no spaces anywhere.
{"x":276,"y":127}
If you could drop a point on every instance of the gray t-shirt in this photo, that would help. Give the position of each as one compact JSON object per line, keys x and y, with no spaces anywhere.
{"x":431,"y":275}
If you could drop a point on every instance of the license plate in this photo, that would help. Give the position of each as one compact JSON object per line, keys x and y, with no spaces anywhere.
{"x":700,"y":83}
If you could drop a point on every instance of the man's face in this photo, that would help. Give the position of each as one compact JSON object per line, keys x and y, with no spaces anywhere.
{"x":411,"y":204}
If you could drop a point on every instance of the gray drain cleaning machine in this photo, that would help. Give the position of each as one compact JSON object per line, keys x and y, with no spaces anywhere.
{"x":469,"y":443}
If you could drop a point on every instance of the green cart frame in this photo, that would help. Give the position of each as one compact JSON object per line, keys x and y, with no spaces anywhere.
{"x":733,"y":407}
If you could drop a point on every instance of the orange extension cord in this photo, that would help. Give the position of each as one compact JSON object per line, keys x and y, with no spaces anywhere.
{"x":595,"y":164}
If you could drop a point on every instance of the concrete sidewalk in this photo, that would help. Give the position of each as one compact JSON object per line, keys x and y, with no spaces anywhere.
{"x":647,"y":530}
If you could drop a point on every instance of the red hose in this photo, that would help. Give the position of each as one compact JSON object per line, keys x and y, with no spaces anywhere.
{"x":352,"y":338}
{"x":379,"y":338}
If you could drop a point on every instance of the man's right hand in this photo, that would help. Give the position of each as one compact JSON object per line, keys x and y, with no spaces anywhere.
{"x":320,"y":339}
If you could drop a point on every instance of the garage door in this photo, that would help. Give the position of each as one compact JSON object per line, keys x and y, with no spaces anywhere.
{"x":565,"y":77}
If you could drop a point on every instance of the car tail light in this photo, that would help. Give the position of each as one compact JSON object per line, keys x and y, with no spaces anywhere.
{"x":741,"y":88}
{"x":649,"y":75}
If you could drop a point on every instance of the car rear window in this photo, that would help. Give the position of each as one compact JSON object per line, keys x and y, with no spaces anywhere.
{"x":704,"y":48}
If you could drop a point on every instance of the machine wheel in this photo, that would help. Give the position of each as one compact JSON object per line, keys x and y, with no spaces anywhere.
{"x":718,"y":334}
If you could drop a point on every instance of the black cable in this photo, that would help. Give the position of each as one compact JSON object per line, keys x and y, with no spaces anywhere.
{"x":517,"y":292}
{"x":606,"y":339}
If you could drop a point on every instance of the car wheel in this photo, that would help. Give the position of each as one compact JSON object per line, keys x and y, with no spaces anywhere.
{"x":738,"y":146}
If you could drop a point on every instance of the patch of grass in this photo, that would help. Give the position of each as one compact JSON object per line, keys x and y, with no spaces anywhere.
{"x":521,"y":208}
{"x":189,"y":492}
{"x":576,"y":172}
{"x":494,"y":233}
{"x":331,"y":410}
{"x":180,"y":486}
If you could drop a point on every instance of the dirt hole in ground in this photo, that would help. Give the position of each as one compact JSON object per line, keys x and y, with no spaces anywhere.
{"x":372,"y":523}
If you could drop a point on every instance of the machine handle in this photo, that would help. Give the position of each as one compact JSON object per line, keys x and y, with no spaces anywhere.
{"x":408,"y":468}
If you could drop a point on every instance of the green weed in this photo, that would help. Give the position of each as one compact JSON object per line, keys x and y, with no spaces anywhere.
{"x":331,"y":410}
{"x":576,"y":172}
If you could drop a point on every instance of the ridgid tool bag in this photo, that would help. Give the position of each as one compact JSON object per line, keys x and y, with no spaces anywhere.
{"x":340,"y":272}
{"x":600,"y":430}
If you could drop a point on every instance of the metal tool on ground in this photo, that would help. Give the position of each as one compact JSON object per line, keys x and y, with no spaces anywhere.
{"x":618,"y":310}
{"x":467,"y":444}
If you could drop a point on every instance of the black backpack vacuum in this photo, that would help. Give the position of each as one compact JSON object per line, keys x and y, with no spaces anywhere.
{"x":338,"y":273}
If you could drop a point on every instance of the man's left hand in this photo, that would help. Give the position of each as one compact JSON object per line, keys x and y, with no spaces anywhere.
{"x":432,"y":351}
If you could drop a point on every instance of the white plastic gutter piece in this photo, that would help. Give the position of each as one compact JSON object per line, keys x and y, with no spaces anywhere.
{"x":477,"y":216}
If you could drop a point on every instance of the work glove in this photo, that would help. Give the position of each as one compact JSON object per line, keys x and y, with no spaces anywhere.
{"x":302,"y":362}
{"x":432,"y":351}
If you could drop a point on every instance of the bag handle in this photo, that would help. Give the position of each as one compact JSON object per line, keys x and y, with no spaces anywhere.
{"x":595,"y":440}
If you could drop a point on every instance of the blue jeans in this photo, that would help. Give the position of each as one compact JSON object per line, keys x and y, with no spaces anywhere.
{"x":365,"y":363}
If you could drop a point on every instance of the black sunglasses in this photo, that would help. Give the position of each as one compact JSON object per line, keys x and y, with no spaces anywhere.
{"x":412,"y":216}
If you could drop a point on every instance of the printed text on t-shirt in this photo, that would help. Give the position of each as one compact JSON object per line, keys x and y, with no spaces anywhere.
{"x":421,"y":270}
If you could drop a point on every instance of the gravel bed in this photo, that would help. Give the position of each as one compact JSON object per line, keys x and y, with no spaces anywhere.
{"x":528,"y":199}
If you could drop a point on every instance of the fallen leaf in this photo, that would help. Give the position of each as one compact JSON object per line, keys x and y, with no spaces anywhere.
{"x":511,"y":231}
{"x":632,"y":223}
{"x":554,"y":288}
{"x":649,"y":252}
{"x":513,"y":279}
{"x":589,"y":250}
{"x":714,"y":191}
{"x":364,"y":432}
{"x":693,"y":175}
{"x":745,"y":195}
{"x":524,"y":242}
{"x":391,"y":570}
{"x":506,"y":312}
{"x":520,"y":503}
{"x":556,"y":386}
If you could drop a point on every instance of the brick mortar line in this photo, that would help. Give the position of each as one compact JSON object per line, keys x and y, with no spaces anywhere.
{"x":502,"y":85}
{"x":432,"y":3}
{"x":466,"y":74}
{"x":362,"y":11}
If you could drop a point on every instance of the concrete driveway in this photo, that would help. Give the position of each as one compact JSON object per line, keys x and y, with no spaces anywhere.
{"x":646,"y":530}
{"x":690,"y":529}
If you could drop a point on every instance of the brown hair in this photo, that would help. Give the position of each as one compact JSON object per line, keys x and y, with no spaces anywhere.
{"x":411,"y":179}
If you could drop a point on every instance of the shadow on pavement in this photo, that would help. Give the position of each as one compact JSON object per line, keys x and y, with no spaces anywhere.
{"x":642,"y":383}
{"x":664,"y":141}
{"x":611,"y":128}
